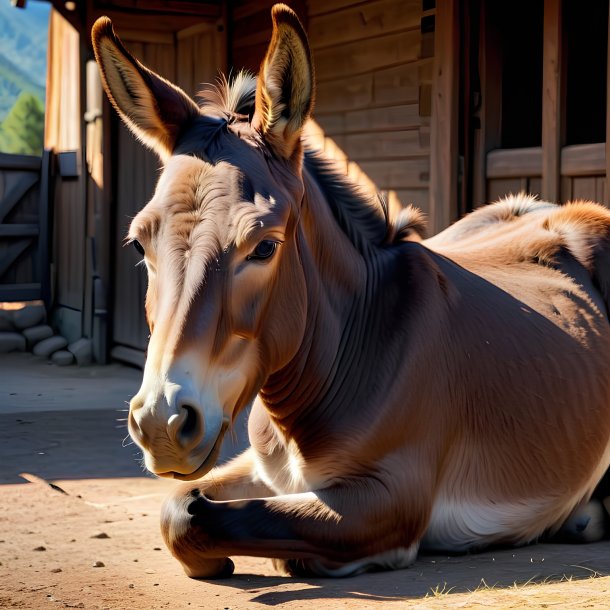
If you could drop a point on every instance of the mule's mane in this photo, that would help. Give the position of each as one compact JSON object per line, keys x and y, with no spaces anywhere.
{"x":365,"y":218}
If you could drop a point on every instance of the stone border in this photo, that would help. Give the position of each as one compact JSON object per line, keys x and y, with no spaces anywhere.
{"x":25,"y":329}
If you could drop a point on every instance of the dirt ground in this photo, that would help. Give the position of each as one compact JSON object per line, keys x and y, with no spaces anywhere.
{"x":92,"y":540}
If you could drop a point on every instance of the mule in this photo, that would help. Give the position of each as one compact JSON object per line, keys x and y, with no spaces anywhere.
{"x":443,"y":394}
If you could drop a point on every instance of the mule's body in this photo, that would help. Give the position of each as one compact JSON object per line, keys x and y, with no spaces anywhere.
{"x":451,"y":393}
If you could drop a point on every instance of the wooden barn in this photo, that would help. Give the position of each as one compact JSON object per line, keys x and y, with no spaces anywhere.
{"x":445,"y":104}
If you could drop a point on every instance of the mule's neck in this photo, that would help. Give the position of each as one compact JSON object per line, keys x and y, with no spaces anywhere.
{"x":339,"y":277}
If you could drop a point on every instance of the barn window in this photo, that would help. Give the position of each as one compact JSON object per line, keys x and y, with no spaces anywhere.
{"x":519,"y":25}
{"x":585,"y":51}
{"x":23,"y":61}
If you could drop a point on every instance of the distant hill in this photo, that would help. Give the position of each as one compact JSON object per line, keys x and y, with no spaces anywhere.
{"x":12,"y":82}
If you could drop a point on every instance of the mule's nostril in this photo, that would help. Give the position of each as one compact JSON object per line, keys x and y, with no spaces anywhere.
{"x":186,"y":426}
{"x":191,"y":423}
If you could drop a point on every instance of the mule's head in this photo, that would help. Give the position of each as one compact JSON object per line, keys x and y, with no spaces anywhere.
{"x":225,"y":288}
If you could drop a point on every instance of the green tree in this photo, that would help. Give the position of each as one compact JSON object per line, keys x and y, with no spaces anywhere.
{"x":22,"y":131}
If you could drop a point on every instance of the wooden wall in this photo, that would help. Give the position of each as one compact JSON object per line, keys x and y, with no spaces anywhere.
{"x":373,"y":94}
{"x":63,"y":125}
{"x":373,"y":75}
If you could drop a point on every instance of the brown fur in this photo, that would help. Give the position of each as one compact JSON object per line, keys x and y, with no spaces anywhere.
{"x":449,"y":393}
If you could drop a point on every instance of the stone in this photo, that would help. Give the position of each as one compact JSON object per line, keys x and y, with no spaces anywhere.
{"x":82,"y":350}
{"x":11,"y":342}
{"x":62,"y":357}
{"x":47,"y":346}
{"x":6,"y":321}
{"x":28,"y":316}
{"x":35,"y":334}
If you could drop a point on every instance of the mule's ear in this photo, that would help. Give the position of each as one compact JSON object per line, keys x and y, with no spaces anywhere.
{"x":153,"y":108}
{"x":285,"y":89}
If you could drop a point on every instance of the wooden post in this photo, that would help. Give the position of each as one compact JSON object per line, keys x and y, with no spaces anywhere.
{"x":444,"y":126}
{"x":551,"y":101}
{"x":607,"y":189}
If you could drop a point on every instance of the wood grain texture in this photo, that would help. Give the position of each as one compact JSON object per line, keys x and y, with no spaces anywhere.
{"x":444,"y":125}
{"x":363,"y":21}
{"x":551,"y":100}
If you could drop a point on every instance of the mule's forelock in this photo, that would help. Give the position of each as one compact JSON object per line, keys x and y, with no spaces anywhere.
{"x":233,"y":98}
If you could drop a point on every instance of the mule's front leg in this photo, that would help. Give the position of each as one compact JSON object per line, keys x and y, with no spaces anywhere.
{"x":229,"y":482}
{"x":333,"y":532}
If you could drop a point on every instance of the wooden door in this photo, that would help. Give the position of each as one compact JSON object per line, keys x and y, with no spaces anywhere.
{"x":189,"y":58}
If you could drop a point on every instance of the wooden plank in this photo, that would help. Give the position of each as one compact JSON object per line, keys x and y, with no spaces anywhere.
{"x":18,"y":230}
{"x":501,"y":187}
{"x":370,"y":120}
{"x":489,"y":137}
{"x":321,"y":7}
{"x":249,"y":58}
{"x":11,"y":252}
{"x":389,"y":87}
{"x":566,"y":189}
{"x":135,"y":7}
{"x":551,"y":100}
{"x":444,"y":126}
{"x":135,"y":357}
{"x":606,"y":197}
{"x":19,"y":162}
{"x":16,"y":193}
{"x":147,"y":36}
{"x":44,"y":238}
{"x":367,"y":55}
{"x":386,"y":145}
{"x":420,"y":198}
{"x":403,"y":174}
{"x":197,"y":29}
{"x":149,"y":22}
{"x":356,"y":23}
{"x":535,"y":186}
{"x":584,"y":188}
{"x":600,"y":190}
{"x":514,"y":162}
{"x":11,"y":293}
{"x":583,"y":160}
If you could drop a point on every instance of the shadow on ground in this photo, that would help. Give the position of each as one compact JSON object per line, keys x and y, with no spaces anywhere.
{"x":440,"y":575}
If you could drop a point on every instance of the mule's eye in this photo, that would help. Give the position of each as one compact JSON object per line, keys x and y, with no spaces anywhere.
{"x":265,"y":249}
{"x":138,"y":246}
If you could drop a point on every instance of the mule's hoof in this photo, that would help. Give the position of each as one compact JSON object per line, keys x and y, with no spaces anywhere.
{"x":291,"y":567}
{"x":210,"y":568}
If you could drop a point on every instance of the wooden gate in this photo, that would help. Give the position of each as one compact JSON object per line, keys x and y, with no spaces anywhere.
{"x":24,"y":228}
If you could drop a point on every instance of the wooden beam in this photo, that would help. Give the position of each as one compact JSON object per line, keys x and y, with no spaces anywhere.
{"x":514,"y":162}
{"x":444,"y":126}
{"x":607,"y":190}
{"x":19,"y":230}
{"x":21,"y":162}
{"x":12,"y":252}
{"x":16,"y":193}
{"x":551,"y":101}
{"x":19,"y":292}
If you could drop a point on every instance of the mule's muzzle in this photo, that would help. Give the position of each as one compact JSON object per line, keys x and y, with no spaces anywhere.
{"x":175,"y":445}
{"x":207,"y":464}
